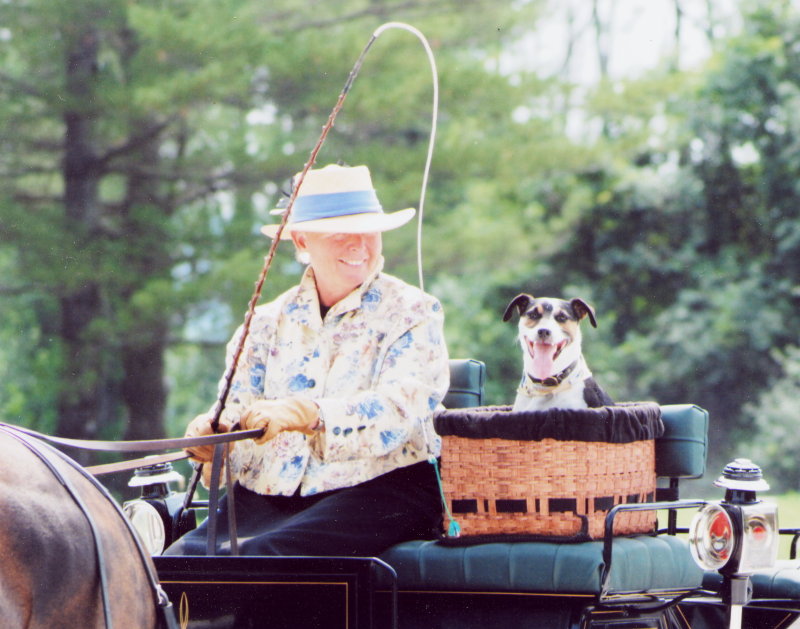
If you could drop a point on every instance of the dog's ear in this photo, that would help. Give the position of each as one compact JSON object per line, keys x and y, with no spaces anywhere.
{"x":520,"y":302}
{"x":582,"y":309}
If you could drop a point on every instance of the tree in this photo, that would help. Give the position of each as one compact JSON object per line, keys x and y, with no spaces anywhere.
{"x":145,"y":143}
{"x":104,"y":159}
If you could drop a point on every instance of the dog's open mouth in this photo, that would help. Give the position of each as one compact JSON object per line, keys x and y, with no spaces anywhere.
{"x":544,"y":356}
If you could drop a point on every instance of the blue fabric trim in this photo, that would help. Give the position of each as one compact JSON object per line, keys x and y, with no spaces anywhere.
{"x":316,"y":206}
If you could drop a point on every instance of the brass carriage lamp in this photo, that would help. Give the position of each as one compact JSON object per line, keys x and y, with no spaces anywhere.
{"x":158,"y":515}
{"x":739,"y":534}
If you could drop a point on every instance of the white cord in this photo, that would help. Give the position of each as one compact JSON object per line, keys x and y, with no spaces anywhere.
{"x":431,"y":141}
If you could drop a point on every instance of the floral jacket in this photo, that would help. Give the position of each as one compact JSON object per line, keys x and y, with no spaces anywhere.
{"x":377,"y":367}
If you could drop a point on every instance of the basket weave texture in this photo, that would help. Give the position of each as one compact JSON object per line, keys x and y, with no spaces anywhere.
{"x":537,"y":484}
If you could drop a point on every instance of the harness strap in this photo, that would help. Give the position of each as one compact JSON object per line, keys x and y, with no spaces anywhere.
{"x":218,"y":463}
{"x":147,"y":445}
{"x":144,"y":445}
{"x":213,"y":502}
{"x":132,"y":464}
{"x":233,"y":533}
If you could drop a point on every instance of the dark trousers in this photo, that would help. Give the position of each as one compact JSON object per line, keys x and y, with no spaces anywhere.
{"x":359,"y":521}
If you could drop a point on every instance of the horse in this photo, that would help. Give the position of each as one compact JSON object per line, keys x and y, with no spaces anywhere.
{"x":69,"y":555}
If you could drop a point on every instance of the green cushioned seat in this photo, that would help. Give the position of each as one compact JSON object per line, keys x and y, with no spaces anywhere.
{"x":780,"y":582}
{"x":638,"y":563}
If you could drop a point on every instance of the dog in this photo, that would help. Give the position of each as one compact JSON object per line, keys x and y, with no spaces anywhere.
{"x":555,"y":372}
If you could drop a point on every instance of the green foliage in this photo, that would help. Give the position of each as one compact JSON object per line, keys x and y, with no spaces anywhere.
{"x":773,"y":415}
{"x":193,"y":371}
{"x":29,"y":358}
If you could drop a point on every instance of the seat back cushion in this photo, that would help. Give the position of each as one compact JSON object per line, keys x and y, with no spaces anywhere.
{"x":467,"y":380}
{"x":682,"y":450}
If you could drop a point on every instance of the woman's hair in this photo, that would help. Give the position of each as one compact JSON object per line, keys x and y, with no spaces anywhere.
{"x":302,"y":257}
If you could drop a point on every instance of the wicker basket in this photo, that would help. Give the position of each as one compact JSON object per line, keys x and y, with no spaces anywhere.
{"x":550,"y":473}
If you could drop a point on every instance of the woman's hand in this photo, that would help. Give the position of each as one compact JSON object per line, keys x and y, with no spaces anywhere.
{"x":275,"y":416}
{"x":199,"y":427}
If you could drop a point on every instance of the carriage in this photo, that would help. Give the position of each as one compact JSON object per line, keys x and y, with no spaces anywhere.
{"x":723,"y":573}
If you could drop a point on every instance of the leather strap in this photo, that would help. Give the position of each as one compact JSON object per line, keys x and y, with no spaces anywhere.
{"x":149,"y":445}
{"x":145,"y":445}
{"x":233,"y":532}
{"x":213,"y":501}
{"x":132,"y":464}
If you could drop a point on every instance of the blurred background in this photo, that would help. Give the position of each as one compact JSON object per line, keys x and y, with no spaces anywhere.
{"x":641,"y":154}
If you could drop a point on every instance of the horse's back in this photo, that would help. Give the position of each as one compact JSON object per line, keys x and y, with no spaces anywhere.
{"x":50,"y":572}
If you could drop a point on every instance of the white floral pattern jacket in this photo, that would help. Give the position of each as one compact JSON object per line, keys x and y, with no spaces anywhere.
{"x":377,"y":367}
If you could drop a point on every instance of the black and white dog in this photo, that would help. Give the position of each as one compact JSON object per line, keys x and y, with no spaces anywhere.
{"x":555,"y":372}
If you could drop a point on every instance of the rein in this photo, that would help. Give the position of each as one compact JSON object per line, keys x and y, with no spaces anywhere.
{"x":145,"y":445}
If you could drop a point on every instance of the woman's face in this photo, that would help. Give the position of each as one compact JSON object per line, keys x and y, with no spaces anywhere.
{"x":341,"y":262}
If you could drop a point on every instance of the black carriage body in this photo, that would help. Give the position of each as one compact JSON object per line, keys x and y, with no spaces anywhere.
{"x":632,"y":582}
{"x":360,"y":593}
{"x":278,"y":592}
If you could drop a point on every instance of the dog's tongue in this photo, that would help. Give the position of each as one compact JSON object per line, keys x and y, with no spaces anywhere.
{"x":543,"y":358}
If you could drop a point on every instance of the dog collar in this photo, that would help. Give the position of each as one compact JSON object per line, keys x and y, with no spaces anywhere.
{"x":554,"y":381}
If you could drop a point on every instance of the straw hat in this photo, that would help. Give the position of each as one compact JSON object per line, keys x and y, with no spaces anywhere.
{"x":338,"y":200}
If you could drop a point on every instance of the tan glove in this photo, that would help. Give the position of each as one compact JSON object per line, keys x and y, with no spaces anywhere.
{"x":199,"y":427}
{"x":275,"y":416}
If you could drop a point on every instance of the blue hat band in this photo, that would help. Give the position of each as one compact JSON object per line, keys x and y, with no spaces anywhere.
{"x":331,"y":205}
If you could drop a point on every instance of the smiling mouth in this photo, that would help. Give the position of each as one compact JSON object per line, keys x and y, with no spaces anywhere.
{"x":543,"y":358}
{"x":551,"y":349}
{"x":353,"y":262}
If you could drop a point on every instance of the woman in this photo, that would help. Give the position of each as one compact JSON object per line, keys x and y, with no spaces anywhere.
{"x":343,"y":372}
